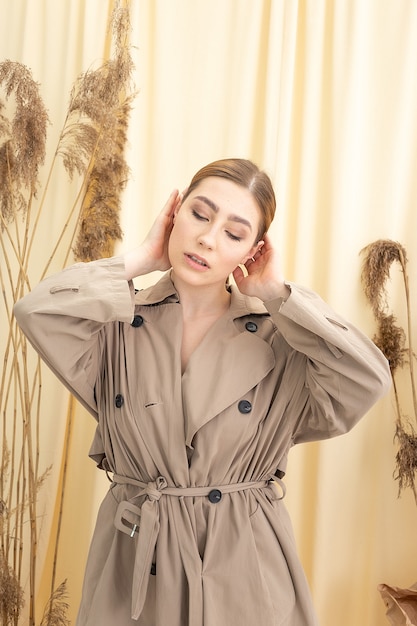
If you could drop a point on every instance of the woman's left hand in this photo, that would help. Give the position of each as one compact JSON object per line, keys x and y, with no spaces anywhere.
{"x":264,"y":278}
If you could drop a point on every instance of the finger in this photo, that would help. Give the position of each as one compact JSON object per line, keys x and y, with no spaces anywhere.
{"x":238,"y":275}
{"x":171,"y":203}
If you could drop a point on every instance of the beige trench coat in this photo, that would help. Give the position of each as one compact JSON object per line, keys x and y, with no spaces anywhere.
{"x":192,"y":532}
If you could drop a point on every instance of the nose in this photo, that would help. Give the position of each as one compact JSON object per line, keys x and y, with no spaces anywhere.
{"x":207,"y":238}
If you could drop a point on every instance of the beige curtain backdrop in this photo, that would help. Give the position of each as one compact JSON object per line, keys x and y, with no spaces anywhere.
{"x":323,"y":95}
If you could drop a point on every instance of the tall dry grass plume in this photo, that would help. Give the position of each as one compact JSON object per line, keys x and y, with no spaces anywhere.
{"x":91,"y":149}
{"x":396,"y":343}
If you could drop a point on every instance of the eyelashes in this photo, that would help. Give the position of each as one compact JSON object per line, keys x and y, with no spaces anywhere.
{"x":198,"y":216}
{"x":201,"y":218}
{"x":233,"y":237}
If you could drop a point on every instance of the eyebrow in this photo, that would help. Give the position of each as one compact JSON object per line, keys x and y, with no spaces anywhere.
{"x":215,"y":208}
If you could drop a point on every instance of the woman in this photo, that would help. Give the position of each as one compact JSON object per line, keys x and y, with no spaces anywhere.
{"x":200,"y":389}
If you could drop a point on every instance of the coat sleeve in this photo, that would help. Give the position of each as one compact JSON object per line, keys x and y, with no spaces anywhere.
{"x":342,"y":372}
{"x":63,"y":318}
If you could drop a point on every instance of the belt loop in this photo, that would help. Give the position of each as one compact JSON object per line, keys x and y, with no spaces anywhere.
{"x":277,"y":488}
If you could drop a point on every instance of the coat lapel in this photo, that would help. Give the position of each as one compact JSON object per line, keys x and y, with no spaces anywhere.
{"x":227,"y":364}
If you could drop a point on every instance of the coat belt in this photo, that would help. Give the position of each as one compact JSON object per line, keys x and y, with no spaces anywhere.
{"x":145,"y":521}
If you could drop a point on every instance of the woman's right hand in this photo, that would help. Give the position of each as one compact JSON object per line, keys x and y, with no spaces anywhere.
{"x":152,"y":254}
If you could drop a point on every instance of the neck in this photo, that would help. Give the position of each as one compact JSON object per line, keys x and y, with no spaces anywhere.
{"x":202,"y":301}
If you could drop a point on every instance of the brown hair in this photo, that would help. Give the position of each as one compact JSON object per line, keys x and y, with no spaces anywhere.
{"x":248,"y":175}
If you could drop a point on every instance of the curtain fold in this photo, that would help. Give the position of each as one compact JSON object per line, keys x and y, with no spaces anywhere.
{"x":323,"y":95}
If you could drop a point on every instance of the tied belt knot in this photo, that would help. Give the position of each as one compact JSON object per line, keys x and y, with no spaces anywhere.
{"x":154,"y":489}
{"x":144,"y":520}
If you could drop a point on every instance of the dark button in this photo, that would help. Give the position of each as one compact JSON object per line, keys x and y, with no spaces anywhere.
{"x":118,"y":401}
{"x":215,"y":496}
{"x":251,"y":327}
{"x":279,"y":473}
{"x":153,"y":569}
{"x":137,"y":321}
{"x":244,"y":406}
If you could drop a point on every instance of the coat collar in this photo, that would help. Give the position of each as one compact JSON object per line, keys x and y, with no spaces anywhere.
{"x":164,"y":291}
{"x":226,"y":366}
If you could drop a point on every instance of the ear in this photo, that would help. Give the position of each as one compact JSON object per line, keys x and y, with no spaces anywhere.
{"x":248,"y":256}
{"x":253,"y":251}
{"x":175,"y":213}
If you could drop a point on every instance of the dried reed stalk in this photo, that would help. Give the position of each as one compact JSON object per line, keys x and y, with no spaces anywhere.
{"x":397,"y":345}
{"x":91,"y":148}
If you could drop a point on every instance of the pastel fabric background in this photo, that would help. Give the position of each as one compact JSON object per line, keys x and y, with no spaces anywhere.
{"x":323,"y":95}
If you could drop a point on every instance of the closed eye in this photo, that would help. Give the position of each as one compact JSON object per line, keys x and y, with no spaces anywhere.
{"x":198,"y":216}
{"x":232,"y":236}
{"x":203,"y":218}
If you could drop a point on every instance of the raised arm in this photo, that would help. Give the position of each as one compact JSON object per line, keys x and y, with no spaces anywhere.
{"x":63,"y":316}
{"x":338,"y":371}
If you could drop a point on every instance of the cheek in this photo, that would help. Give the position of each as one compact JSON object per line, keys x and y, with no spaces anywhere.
{"x":178,"y":224}
{"x":247,"y":252}
{"x":179,"y":235}
{"x":236,"y":256}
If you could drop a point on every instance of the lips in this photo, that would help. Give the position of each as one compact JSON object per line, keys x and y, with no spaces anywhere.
{"x":196,"y":260}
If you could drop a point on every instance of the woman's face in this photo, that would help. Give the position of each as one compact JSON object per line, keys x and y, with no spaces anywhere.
{"x":214,"y":231}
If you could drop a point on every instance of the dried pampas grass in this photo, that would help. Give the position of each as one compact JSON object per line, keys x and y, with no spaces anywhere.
{"x":11,"y":594}
{"x":28,"y":128}
{"x":396,"y":344}
{"x":91,"y":149}
{"x":22,"y":140}
{"x":100,"y":104}
{"x":406,"y":457}
{"x":57,"y":609}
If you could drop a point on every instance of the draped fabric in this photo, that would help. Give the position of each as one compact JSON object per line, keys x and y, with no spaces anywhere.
{"x":323,"y":95}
